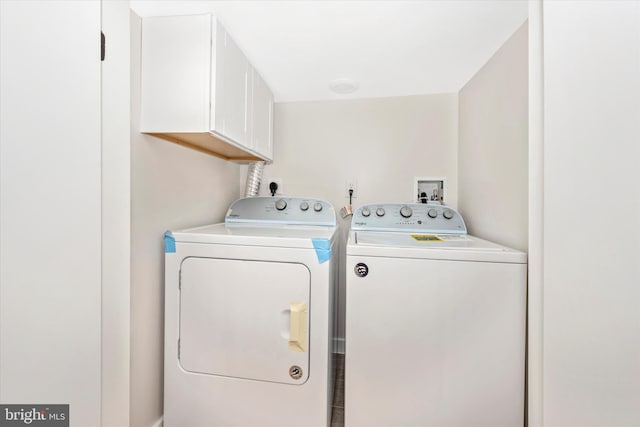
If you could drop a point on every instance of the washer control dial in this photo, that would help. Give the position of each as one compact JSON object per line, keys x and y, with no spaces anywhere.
{"x":380,"y":212}
{"x":304,"y":206}
{"x":317,"y":206}
{"x":432,"y":213}
{"x":406,"y":212}
{"x":281,"y":204}
{"x":448,"y":214}
{"x":366,"y":212}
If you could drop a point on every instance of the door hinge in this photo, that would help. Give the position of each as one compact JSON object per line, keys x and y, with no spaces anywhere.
{"x":102,"y":46}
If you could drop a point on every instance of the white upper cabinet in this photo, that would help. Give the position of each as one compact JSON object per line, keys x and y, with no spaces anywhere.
{"x":198,"y":89}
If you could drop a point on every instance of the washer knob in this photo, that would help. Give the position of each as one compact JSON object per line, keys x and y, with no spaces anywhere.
{"x":304,"y":206}
{"x":406,"y":212}
{"x":366,"y":212}
{"x":380,"y":212}
{"x":317,"y":206}
{"x":448,"y":214}
{"x":281,"y":204}
{"x":432,"y":213}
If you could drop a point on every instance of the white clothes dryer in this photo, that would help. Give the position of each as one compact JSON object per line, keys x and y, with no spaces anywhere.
{"x":249,"y":317}
{"x":435,"y":322}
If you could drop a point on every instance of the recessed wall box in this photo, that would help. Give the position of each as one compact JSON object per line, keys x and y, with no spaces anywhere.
{"x":430,"y":189}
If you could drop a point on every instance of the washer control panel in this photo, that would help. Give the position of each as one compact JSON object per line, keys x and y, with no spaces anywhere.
{"x":408,"y":217}
{"x":281,"y":210}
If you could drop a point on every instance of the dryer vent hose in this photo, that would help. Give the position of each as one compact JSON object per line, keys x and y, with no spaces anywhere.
{"x":254,"y":177}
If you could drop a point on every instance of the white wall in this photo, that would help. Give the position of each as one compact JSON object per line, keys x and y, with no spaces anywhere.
{"x":493,"y":144}
{"x":171,"y":188}
{"x":591,"y":213}
{"x":50,"y":206}
{"x":382,"y":143}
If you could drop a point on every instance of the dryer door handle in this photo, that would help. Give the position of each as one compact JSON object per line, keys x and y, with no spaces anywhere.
{"x":298,"y":326}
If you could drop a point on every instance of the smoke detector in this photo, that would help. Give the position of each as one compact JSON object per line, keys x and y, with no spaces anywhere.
{"x":343,"y":86}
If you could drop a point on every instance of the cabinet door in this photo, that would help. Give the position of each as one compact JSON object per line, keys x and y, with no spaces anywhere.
{"x":230,"y":115}
{"x":175,"y":74}
{"x":261,"y":117}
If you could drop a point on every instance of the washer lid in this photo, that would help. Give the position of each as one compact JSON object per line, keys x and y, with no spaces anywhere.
{"x":431,"y":246}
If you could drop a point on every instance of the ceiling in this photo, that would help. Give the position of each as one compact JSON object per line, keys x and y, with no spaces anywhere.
{"x":389,"y":48}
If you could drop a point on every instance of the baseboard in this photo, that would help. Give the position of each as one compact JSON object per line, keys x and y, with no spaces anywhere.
{"x":159,"y":423}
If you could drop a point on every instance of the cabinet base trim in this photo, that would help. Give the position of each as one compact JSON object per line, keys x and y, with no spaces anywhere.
{"x":209,"y":143}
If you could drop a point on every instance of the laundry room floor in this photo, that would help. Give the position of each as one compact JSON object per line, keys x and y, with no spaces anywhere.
{"x":337,"y":417}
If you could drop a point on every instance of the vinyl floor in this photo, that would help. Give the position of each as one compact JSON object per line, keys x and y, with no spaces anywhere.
{"x":337,"y":417}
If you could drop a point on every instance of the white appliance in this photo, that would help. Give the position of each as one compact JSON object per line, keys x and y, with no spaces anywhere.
{"x":435,"y":322}
{"x":249,"y":317}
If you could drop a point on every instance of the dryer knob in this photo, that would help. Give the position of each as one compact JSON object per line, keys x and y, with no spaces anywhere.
{"x":406,"y":212}
{"x":380,"y":212}
{"x":317,"y":206}
{"x":281,"y":204}
{"x":432,"y":213}
{"x":366,"y":212}
{"x":304,"y":206}
{"x":448,"y":214}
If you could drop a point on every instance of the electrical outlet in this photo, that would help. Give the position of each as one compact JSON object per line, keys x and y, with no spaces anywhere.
{"x":279,"y":190}
{"x":351,"y":184}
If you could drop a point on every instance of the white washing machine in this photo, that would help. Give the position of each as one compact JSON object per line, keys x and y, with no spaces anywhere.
{"x":249,"y":317}
{"x":435,"y":322}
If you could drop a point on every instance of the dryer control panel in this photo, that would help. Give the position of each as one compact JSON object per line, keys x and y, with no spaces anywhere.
{"x":408,"y":217}
{"x":281,"y":210}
